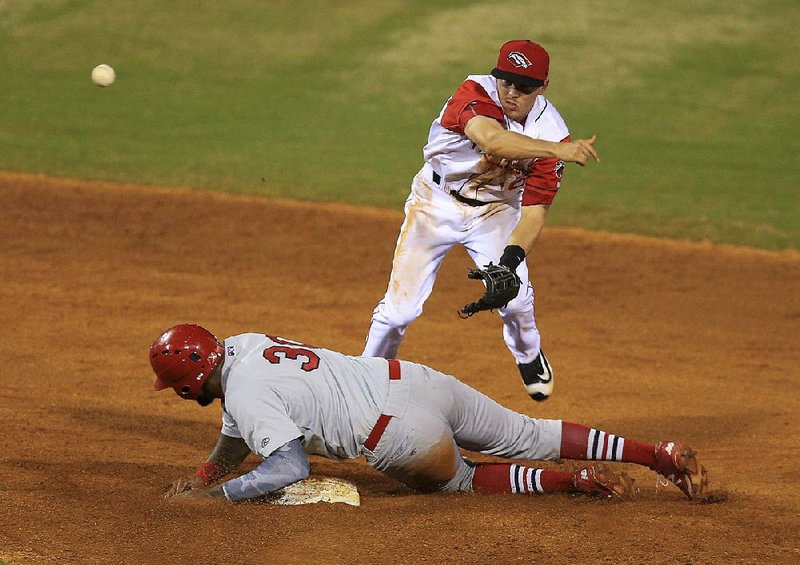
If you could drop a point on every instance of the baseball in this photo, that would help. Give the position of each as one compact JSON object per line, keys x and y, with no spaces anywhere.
{"x":103,"y":75}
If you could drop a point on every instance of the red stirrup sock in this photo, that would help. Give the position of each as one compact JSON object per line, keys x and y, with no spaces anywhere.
{"x":582,"y":442}
{"x":504,"y":478}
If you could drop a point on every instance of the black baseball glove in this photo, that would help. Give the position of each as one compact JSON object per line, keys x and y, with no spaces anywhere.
{"x":502,"y":286}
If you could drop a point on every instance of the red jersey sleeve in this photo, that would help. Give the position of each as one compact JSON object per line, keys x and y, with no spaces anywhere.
{"x":468,"y":101}
{"x":543,"y":181}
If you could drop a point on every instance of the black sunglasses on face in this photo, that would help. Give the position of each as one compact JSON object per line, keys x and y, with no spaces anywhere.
{"x":521,"y":88}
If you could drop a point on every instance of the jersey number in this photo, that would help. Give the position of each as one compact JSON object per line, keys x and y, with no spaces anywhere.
{"x":291,"y":350}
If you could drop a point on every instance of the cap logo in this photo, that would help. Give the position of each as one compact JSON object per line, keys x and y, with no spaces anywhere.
{"x":519,"y":60}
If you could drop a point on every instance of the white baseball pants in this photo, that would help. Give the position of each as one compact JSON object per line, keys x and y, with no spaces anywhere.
{"x":434,"y":223}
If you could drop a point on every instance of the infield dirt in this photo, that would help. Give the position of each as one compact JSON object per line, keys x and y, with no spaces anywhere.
{"x":649,"y":339}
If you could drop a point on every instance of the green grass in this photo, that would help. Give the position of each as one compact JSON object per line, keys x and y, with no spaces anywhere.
{"x":694,"y":101}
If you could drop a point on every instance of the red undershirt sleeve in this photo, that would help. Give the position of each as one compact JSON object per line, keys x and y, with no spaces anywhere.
{"x":543,"y":181}
{"x":468,"y":101}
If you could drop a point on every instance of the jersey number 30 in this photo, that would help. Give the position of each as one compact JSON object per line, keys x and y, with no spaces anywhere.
{"x":291,"y":350}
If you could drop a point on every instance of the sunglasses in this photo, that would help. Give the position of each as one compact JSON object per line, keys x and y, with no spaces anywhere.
{"x":521,"y":88}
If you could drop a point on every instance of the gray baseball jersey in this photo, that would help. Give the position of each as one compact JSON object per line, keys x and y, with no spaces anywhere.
{"x":277,"y":390}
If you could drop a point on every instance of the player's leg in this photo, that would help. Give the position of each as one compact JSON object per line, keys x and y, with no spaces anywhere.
{"x":481,"y":424}
{"x":520,"y":333}
{"x":418,"y":449}
{"x":512,"y":478}
{"x":419,"y":446}
{"x":673,"y":460}
{"x":524,"y":341}
{"x":423,"y":242}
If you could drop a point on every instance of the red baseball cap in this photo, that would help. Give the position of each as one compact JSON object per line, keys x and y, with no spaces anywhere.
{"x":522,"y":61}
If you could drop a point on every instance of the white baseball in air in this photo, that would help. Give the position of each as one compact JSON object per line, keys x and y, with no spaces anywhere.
{"x":103,"y":75}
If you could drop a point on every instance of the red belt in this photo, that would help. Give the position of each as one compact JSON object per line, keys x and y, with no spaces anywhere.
{"x":383,"y":420}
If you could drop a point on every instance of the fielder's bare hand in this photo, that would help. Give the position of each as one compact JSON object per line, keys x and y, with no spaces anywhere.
{"x":580,"y":151}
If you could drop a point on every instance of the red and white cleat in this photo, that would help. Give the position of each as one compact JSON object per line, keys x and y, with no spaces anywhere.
{"x":599,"y":480}
{"x":678,"y":463}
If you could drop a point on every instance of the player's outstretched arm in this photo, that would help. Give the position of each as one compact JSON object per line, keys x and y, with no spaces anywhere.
{"x":580,"y":151}
{"x":283,"y":467}
{"x":493,"y":139}
{"x":228,"y":453}
{"x":286,"y":465}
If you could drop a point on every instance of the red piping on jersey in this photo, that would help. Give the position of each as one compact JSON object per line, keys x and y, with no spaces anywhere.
{"x":383,"y":420}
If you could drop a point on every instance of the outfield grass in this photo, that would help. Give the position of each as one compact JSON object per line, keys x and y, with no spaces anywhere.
{"x":694,"y":101}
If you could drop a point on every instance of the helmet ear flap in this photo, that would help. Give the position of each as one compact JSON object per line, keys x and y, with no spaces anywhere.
{"x":183,"y":358}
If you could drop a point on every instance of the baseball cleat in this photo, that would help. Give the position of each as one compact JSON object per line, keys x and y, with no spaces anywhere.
{"x":599,"y":480}
{"x":678,"y":463}
{"x":538,"y":377}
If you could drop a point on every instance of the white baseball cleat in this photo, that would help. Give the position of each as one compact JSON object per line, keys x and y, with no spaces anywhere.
{"x":538,"y":377}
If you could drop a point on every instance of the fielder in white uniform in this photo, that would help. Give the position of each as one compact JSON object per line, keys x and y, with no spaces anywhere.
{"x":282,"y":400}
{"x":493,"y":165}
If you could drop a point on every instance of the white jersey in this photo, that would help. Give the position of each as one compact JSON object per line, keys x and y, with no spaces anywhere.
{"x":276,"y":390}
{"x":463,"y":167}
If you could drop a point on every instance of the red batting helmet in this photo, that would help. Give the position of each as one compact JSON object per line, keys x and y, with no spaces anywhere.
{"x":183,"y":358}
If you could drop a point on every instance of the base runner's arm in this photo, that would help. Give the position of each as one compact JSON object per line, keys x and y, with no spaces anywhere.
{"x":228,"y":453}
{"x":286,"y":465}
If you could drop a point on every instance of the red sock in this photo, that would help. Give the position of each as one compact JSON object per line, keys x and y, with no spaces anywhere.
{"x":504,"y":478}
{"x":582,"y":442}
{"x":641,"y":453}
